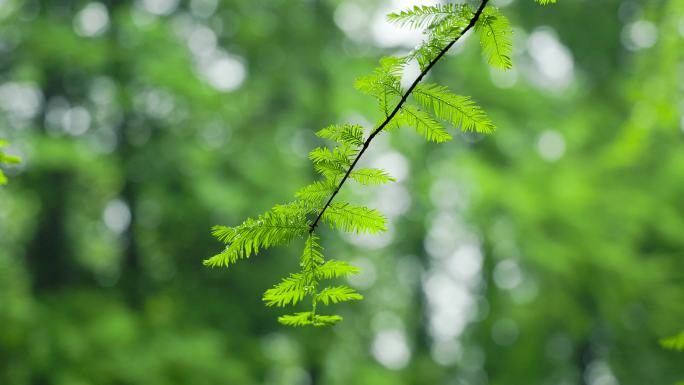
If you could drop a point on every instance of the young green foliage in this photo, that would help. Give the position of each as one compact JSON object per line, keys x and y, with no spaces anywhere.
{"x":460,"y":111}
{"x":385,"y":83}
{"x":314,"y":204}
{"x":270,"y":229}
{"x":426,"y":16}
{"x":6,"y":159}
{"x":354,"y":219}
{"x":675,"y":342}
{"x":371,"y":176}
{"x":349,"y":135}
{"x":308,"y":318}
{"x":425,"y":125}
{"x":296,"y":287}
{"x":317,"y":192}
{"x":443,"y":23}
{"x":495,"y":38}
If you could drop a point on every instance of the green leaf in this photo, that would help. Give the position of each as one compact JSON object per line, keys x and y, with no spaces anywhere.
{"x":357,"y":219}
{"x":311,"y":257}
{"x":495,"y":38}
{"x":429,"y":50}
{"x":423,"y":123}
{"x":326,"y":320}
{"x":336,"y":294}
{"x":267,"y":230}
{"x":385,"y":83}
{"x":304,"y":319}
{"x":371,"y":176}
{"x":224,"y":234}
{"x":674,"y":343}
{"x":297,"y":319}
{"x":460,"y":111}
{"x":330,"y":170}
{"x":290,"y":291}
{"x":9,"y":159}
{"x":391,"y":65}
{"x":331,"y":163}
{"x":441,"y":32}
{"x":334,"y":269}
{"x":317,"y":192}
{"x":295,"y":287}
{"x":296,"y":209}
{"x":323,"y":154}
{"x":424,"y":16}
{"x":6,"y":159}
{"x":347,"y":134}
{"x":544,"y":2}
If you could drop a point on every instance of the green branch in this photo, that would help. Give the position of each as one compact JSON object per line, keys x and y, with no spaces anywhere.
{"x":396,"y":109}
{"x":315,"y":204}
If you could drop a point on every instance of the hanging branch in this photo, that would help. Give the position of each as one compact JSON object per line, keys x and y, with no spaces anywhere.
{"x":434,"y":104}
{"x":396,"y":109}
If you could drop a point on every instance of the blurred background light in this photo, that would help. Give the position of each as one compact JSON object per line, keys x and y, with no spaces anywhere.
{"x":92,"y":20}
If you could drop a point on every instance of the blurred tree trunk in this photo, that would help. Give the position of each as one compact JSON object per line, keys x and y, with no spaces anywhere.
{"x":49,"y":252}
{"x":132,"y":279}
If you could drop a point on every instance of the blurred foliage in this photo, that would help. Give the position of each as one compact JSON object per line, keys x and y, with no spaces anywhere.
{"x":550,"y":252}
{"x":675,"y":342}
{"x":6,"y":159}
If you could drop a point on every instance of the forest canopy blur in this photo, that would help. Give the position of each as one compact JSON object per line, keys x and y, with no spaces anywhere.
{"x":549,"y":252}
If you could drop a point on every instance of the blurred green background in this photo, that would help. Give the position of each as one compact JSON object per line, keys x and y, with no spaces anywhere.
{"x":551,"y":252}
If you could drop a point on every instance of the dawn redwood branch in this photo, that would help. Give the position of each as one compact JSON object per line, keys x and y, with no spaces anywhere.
{"x":396,"y":109}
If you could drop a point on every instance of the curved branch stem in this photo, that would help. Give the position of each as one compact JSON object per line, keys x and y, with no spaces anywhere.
{"x":396,"y":109}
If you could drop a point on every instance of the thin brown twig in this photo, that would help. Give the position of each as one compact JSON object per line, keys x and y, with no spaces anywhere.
{"x":396,"y":109}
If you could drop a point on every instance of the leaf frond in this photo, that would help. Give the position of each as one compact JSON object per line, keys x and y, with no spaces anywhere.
{"x":334,"y":269}
{"x":330,"y":170}
{"x":441,"y":32}
{"x":323,"y":154}
{"x":336,"y":294}
{"x":223,"y":233}
{"x":385,"y":82}
{"x":317,"y":192}
{"x":289,"y":291}
{"x":357,"y":219}
{"x":346,"y":134}
{"x":424,"y":16}
{"x":460,"y":111}
{"x":305,"y":318}
{"x":267,"y":230}
{"x":675,"y":342}
{"x":371,"y":176}
{"x":326,"y":320}
{"x":423,"y":123}
{"x":296,"y":319}
{"x":312,"y":256}
{"x":495,"y":38}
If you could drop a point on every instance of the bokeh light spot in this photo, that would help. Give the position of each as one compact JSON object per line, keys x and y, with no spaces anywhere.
{"x":551,"y":145}
{"x":117,"y":216}
{"x":92,"y":20}
{"x":391,"y":349}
